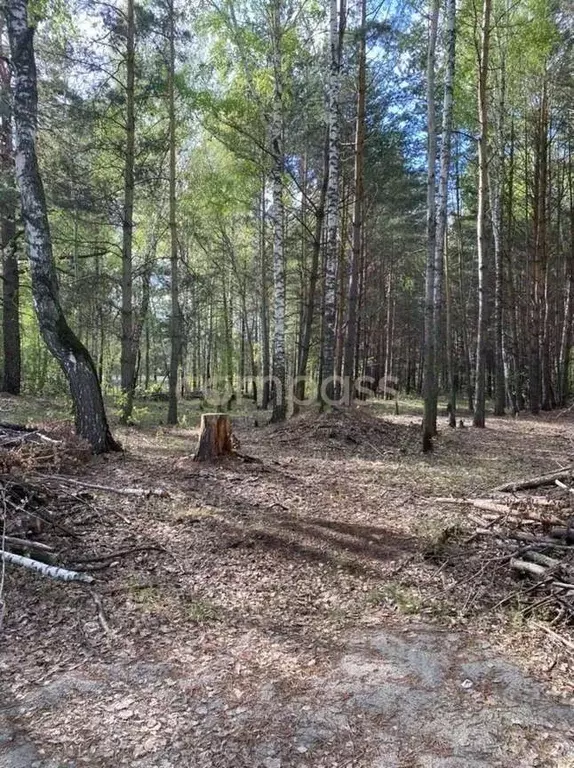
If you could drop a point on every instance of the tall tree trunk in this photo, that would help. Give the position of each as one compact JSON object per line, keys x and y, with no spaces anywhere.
{"x":128,"y":349}
{"x":138,"y":326}
{"x":279,"y":356}
{"x":336,"y":27}
{"x":70,"y":353}
{"x":536,"y":272}
{"x":450,"y":346}
{"x":566,"y":336}
{"x":442,"y":208}
{"x":265,"y":356}
{"x":358,"y":205}
{"x":11,"y":381}
{"x":481,"y":234}
{"x":309,"y":308}
{"x":547,"y":390}
{"x":175,"y":330}
{"x":429,"y":376}
{"x":496,"y":174}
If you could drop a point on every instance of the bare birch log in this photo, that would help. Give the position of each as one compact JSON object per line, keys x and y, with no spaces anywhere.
{"x":535,"y":482}
{"x":108,"y":488}
{"x":46,"y":570}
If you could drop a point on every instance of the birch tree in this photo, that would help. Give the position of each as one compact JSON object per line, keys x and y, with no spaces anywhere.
{"x":70,"y":353}
{"x":337,"y":13}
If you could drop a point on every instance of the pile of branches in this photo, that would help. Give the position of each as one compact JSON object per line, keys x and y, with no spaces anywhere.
{"x":23,"y":449}
{"x":42,"y":517}
{"x":529,"y":536}
{"x":33,"y":524}
{"x":355,"y":428}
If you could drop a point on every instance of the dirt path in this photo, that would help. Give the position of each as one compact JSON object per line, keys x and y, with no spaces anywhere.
{"x":392,"y":699}
{"x":289,"y":615}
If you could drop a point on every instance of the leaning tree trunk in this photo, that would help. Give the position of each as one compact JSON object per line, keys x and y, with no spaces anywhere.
{"x":10,"y":278}
{"x":70,"y":353}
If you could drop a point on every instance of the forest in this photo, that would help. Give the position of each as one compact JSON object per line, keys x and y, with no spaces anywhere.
{"x":286,"y":383}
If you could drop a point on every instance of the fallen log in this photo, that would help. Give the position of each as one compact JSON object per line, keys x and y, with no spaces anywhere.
{"x":497,"y":510}
{"x":533,"y":569}
{"x":541,"y":559}
{"x":535,"y":482}
{"x":145,"y":492}
{"x":46,"y":570}
{"x":485,"y":504}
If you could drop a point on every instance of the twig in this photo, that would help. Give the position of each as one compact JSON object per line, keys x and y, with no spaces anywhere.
{"x":121,"y":553}
{"x":101,"y":615}
{"x":568,"y":643}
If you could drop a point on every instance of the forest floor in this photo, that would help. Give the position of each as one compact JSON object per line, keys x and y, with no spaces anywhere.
{"x":317,"y":608}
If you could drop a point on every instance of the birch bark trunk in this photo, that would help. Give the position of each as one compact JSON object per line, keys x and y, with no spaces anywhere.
{"x":336,"y":29}
{"x":70,"y":353}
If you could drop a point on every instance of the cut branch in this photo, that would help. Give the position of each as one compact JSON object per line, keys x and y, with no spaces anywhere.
{"x":536,"y":482}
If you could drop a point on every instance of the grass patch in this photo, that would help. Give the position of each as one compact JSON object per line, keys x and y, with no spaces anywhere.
{"x":201,"y":611}
{"x":405,"y":599}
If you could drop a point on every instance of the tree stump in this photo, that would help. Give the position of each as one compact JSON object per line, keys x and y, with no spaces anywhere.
{"x":214,"y":437}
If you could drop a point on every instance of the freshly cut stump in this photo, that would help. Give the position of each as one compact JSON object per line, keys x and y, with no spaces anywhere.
{"x":214,"y":437}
